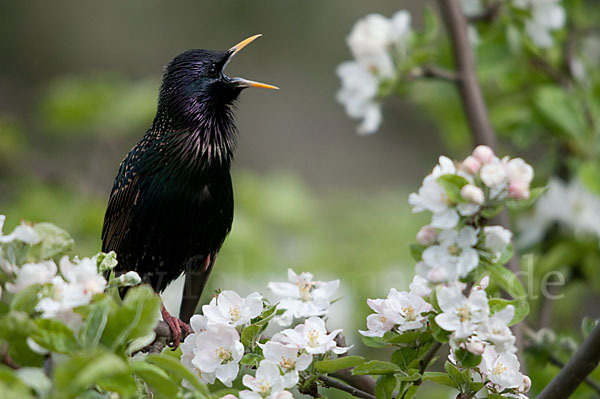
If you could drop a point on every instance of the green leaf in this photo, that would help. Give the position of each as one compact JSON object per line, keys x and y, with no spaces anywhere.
{"x":534,"y":195}
{"x":54,"y":335}
{"x":16,"y":324}
{"x":54,"y":242}
{"x":74,"y":375}
{"x":521,"y":308}
{"x":454,"y":374}
{"x":561,"y":111}
{"x":331,"y":366}
{"x":251,"y":359}
{"x":384,"y":387}
{"x":404,"y":357}
{"x":27,"y":299}
{"x":156,"y":378}
{"x":11,"y":386}
{"x":587,"y":325}
{"x":35,"y":378}
{"x":491,"y":211}
{"x":452,"y":184}
{"x":440,"y":378}
{"x":374,"y":342}
{"x":94,"y":324}
{"x":250,"y":334}
{"x":507,"y":280}
{"x":416,"y":251}
{"x":376,"y":367}
{"x":408,"y":337}
{"x":467,"y":359}
{"x":174,"y":366}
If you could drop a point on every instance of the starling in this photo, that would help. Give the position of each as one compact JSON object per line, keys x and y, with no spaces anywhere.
{"x":171,"y":205}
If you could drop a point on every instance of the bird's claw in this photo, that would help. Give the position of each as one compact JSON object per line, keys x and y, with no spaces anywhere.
{"x":175,"y":325}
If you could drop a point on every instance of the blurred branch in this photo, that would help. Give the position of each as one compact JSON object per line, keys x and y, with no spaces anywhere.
{"x":581,"y":364}
{"x":468,"y":86}
{"x":432,"y":71}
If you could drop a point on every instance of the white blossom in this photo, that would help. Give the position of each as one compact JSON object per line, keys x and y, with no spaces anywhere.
{"x":188,"y":352}
{"x":289,"y":359}
{"x":420,"y":286}
{"x":495,"y":330}
{"x":312,"y":336}
{"x":460,"y":314}
{"x":410,"y":308}
{"x":501,"y":369}
{"x":22,"y":232}
{"x":472,"y":193}
{"x":267,"y":384}
{"x":229,"y":308}
{"x":129,"y":279}
{"x":84,"y":275}
{"x":483,"y":154}
{"x":497,"y":238}
{"x":382,"y":321}
{"x":546,"y":16}
{"x":219,"y":350}
{"x":427,"y":235}
{"x":32,"y":273}
{"x":454,"y":256}
{"x":358,"y":94}
{"x":302,"y":297}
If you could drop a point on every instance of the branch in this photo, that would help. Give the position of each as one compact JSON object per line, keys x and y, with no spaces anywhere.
{"x":583,"y":362}
{"x":468,"y":86}
{"x":333,"y":383}
{"x":432,"y":71}
{"x":588,"y":381}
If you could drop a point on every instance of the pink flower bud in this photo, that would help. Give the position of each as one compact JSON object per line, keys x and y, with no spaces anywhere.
{"x":525,"y":385}
{"x":475,"y":346}
{"x":471,"y":164}
{"x":483,"y":284}
{"x":483,"y":153}
{"x":472,"y":194}
{"x":518,"y":190}
{"x":436,"y":275}
{"x":427,"y":235}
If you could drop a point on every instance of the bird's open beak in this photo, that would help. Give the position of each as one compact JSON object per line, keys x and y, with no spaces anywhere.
{"x":241,"y":82}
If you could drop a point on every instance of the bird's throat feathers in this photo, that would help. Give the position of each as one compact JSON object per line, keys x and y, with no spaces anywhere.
{"x":195,"y":134}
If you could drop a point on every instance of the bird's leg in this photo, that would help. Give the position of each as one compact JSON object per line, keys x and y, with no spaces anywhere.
{"x":176,"y":326}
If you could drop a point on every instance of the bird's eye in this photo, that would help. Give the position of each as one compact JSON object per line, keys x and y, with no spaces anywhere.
{"x":212,"y":71}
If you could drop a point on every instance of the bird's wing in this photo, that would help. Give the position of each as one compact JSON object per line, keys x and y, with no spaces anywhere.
{"x":121,"y":203}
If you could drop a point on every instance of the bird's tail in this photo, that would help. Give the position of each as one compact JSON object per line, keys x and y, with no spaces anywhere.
{"x":195,"y":281}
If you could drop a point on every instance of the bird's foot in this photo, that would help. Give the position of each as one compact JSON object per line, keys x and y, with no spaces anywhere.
{"x":176,"y":325}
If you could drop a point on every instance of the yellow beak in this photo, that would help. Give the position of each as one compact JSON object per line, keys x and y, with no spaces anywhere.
{"x":241,"y":82}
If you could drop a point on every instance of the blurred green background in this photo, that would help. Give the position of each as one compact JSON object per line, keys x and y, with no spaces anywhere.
{"x":78,"y":88}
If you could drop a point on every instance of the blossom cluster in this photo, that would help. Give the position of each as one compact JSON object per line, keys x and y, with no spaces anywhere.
{"x":65,"y":286}
{"x":215,"y":350}
{"x":461,"y":197}
{"x":378,"y":45}
{"x":545,"y":16}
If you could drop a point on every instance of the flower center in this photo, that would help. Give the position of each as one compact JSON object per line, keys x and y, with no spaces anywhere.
{"x":382,"y":319}
{"x":287,"y":363}
{"x":235,"y":313}
{"x":499,"y":369}
{"x":264,"y":388}
{"x":454,"y":250}
{"x":305,"y":289}
{"x":313,"y":338}
{"x":409,"y":313}
{"x":464,"y":313}
{"x":224,"y":354}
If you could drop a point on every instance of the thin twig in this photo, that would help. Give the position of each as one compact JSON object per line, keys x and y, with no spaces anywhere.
{"x":432,"y":71}
{"x":592,"y":384}
{"x":333,"y":383}
{"x":581,"y":364}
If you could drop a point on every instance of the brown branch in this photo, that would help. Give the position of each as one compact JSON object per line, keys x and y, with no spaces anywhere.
{"x":589,"y":382}
{"x":432,"y":71}
{"x":468,"y":86}
{"x":333,"y":383}
{"x":581,"y":364}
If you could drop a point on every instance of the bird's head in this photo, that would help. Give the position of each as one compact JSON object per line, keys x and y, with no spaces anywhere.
{"x":195,"y":86}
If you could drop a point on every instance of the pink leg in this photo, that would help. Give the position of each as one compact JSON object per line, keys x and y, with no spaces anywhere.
{"x":175,"y":325}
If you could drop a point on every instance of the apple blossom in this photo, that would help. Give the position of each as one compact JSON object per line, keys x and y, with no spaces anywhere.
{"x":84,"y":274}
{"x":229,"y":308}
{"x":420,"y":286}
{"x":312,"y":336}
{"x":495,"y":330}
{"x":546,"y":16}
{"x":288,"y":358}
{"x":497,"y":238}
{"x":475,"y":346}
{"x":267,"y":384}
{"x":427,"y":235}
{"x":383,"y":320}
{"x":493,"y":174}
{"x":461,"y":315}
{"x":483,"y":154}
{"x":472,"y":193}
{"x":471,"y":165}
{"x":219,"y":350}
{"x":32,"y":273}
{"x":188,"y":349}
{"x":455,"y":254}
{"x":411,"y":309}
{"x":302,"y":297}
{"x":22,"y":232}
{"x":502,"y":369}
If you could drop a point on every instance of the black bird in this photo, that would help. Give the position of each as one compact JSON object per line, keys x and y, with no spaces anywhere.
{"x":171,"y":205}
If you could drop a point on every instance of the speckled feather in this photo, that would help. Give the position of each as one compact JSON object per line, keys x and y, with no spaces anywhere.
{"x":171,"y":205}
